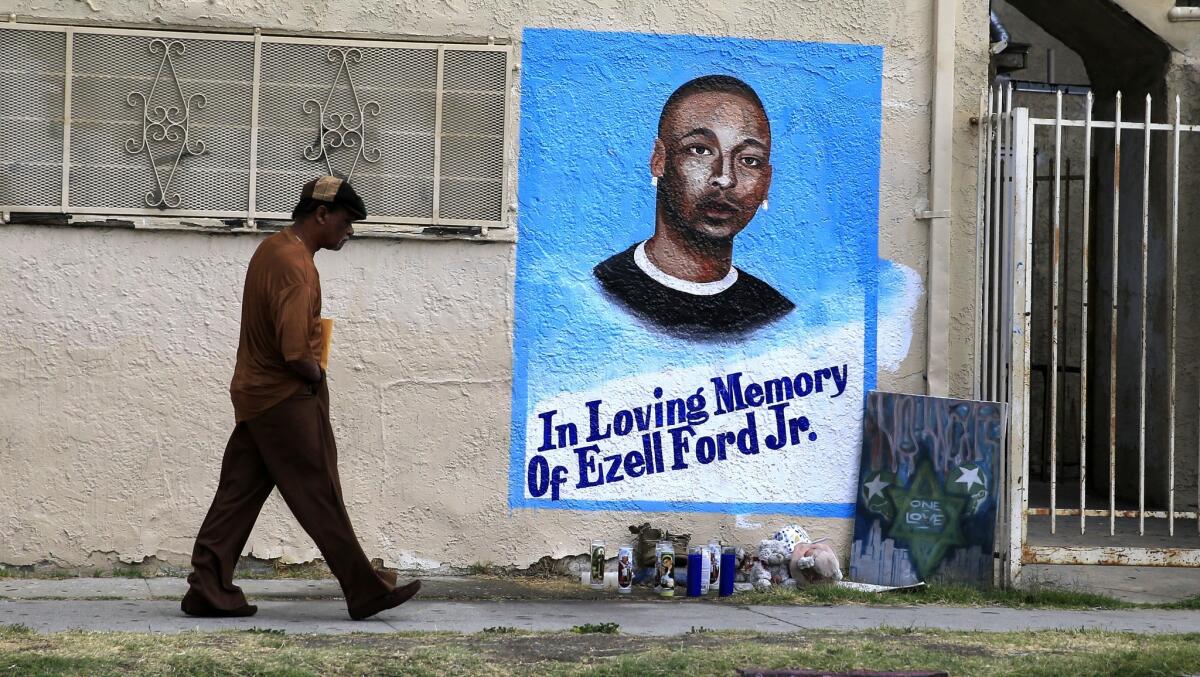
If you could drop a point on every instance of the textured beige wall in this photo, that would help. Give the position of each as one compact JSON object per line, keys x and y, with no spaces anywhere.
{"x":1182,"y":35}
{"x":119,"y":344}
{"x":971,"y":69}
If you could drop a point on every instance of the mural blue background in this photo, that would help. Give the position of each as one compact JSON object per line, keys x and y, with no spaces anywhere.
{"x":590,"y":103}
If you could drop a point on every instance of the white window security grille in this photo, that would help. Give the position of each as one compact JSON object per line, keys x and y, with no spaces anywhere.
{"x":162,"y":123}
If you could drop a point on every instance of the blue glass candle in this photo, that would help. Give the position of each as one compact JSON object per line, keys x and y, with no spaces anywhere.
{"x":728,"y":569}
{"x":695,"y":582}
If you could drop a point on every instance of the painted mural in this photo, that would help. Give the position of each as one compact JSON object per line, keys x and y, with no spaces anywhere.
{"x":697,"y":275}
{"x":927,"y":490}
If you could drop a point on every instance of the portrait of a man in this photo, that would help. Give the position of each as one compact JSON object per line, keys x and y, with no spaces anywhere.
{"x":711,"y":166}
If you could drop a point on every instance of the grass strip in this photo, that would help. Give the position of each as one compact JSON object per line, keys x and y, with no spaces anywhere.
{"x":701,"y":652}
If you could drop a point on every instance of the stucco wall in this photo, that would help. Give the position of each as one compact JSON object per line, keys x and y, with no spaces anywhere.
{"x":1182,"y":35}
{"x":119,"y":343}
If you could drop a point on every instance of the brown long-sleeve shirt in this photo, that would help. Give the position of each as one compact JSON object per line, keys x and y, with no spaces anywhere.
{"x":281,"y":322}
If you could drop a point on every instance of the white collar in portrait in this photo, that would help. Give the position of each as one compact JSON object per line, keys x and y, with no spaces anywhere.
{"x":686,"y":286}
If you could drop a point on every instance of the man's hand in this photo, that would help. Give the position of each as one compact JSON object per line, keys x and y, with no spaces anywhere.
{"x":308,"y":370}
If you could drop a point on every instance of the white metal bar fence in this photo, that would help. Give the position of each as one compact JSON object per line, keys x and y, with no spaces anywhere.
{"x":1083,"y":331}
{"x":1112,"y":348}
{"x":1008,"y":229}
{"x":1142,"y":335}
{"x":1055,"y":256}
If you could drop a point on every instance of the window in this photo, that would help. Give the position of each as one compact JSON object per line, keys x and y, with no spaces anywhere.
{"x":114,"y":121}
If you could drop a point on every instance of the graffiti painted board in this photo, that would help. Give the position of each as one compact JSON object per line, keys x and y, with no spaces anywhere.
{"x":927,"y":490}
{"x":696,"y":272}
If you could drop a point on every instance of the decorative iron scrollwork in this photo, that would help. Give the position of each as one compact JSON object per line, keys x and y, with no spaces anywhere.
{"x":344,"y":129}
{"x":166,"y":124}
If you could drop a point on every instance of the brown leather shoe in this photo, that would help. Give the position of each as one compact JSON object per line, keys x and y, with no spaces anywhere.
{"x":391,"y":600}
{"x":192,"y":605}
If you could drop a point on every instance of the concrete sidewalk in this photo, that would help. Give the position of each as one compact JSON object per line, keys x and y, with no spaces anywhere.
{"x":1152,"y":585}
{"x":472,"y":588}
{"x":471,"y":605}
{"x":634,"y":617}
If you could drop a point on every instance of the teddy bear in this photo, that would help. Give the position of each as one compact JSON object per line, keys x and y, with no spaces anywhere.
{"x":808,"y":561}
{"x":814,"y":563}
{"x":773,"y":559}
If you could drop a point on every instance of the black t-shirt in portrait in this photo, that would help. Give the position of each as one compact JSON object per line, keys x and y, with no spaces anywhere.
{"x":745,"y":305}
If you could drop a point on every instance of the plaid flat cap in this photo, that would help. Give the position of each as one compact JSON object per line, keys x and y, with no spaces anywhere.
{"x":336,"y":191}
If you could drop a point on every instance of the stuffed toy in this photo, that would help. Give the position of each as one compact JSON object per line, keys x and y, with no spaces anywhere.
{"x":774,"y":556}
{"x":760,"y":577}
{"x":788,"y":559}
{"x":814,"y":563}
{"x":792,"y":535}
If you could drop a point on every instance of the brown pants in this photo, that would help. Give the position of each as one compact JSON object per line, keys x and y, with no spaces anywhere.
{"x":289,"y":446}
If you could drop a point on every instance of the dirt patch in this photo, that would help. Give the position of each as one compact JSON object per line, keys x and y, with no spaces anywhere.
{"x":371,"y":642}
{"x":565,"y":647}
{"x":527,"y":648}
{"x":957,"y":649}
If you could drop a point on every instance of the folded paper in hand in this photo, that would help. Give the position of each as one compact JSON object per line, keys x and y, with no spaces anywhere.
{"x":326,"y":341}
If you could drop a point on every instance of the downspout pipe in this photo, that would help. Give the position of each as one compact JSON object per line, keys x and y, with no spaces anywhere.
{"x":941,"y":158}
{"x":998,"y":34}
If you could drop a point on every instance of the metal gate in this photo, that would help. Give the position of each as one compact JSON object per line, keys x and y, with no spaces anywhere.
{"x":1051,"y":517}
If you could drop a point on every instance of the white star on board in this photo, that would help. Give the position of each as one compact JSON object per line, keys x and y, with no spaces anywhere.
{"x":875,"y":486}
{"x":970,"y":478}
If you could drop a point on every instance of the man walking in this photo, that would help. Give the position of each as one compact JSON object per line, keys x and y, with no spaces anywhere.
{"x":282,"y":437}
